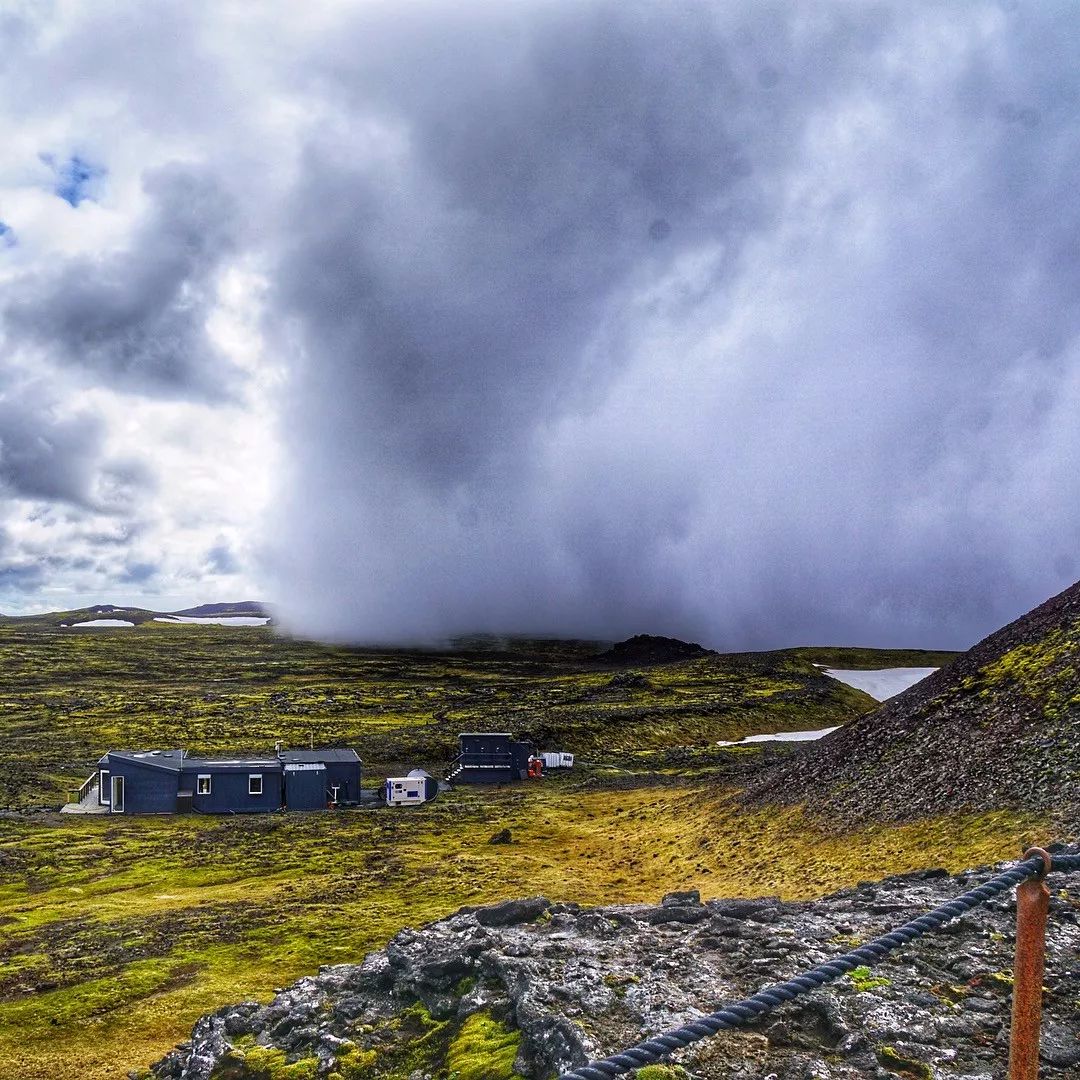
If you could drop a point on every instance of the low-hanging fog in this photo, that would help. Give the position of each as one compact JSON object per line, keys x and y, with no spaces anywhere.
{"x":753,"y":324}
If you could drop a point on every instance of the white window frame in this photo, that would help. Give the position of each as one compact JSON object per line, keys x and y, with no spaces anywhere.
{"x":104,"y":795}
{"x":255,"y":777}
{"x":117,"y":786}
{"x":208,"y":777}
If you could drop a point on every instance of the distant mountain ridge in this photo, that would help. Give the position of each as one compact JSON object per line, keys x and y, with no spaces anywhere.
{"x":241,"y":608}
{"x":998,"y":728}
{"x":244,"y":607}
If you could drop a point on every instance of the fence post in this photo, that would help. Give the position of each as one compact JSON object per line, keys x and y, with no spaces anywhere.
{"x":1032,"y":905}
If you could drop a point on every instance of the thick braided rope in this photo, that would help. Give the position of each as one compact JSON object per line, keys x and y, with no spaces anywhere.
{"x":764,"y":1001}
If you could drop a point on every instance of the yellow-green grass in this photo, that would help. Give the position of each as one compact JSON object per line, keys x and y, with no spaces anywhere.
{"x":141,"y":925}
{"x":68,"y":696}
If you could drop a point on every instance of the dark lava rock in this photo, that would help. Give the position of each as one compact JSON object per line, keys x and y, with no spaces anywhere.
{"x":512,"y":912}
{"x":681,"y":899}
{"x":581,"y":983}
{"x":629,"y":680}
{"x":1059,"y":1046}
{"x":502,"y":837}
{"x":648,"y":649}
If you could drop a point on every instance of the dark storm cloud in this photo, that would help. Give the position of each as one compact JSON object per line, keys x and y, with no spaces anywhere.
{"x":220,"y":559}
{"x":754,"y":323}
{"x":137,"y":573}
{"x":21,"y":577}
{"x":458,"y":271}
{"x":136,"y":319}
{"x":46,"y":455}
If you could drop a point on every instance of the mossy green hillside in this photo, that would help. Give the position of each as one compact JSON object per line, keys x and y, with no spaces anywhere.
{"x":67,"y":696}
{"x":117,"y":935}
{"x":860,"y":659}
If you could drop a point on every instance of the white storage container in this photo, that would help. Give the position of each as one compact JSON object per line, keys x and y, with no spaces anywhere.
{"x":556,"y":759}
{"x":404,"y":790}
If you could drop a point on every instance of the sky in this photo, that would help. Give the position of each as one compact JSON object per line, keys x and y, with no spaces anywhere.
{"x":754,"y":323}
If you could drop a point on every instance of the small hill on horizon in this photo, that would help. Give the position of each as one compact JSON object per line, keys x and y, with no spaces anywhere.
{"x":247,"y":608}
{"x":244,"y":607}
{"x":995,"y":729}
{"x":650,"y":649}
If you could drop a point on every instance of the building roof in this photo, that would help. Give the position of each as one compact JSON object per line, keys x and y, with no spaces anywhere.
{"x":349,"y":756}
{"x":193,"y":764}
{"x":178,"y":761}
{"x":171,"y":760}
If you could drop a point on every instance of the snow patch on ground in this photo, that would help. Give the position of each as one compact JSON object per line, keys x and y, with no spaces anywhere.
{"x":221,"y":620}
{"x":781,"y":736}
{"x":883,"y":684}
{"x":93,"y":624}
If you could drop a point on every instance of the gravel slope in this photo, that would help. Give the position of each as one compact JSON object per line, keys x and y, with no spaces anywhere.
{"x":997,"y":728}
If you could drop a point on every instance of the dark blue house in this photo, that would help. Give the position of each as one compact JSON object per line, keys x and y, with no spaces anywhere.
{"x":170,"y":782}
{"x":490,"y":758}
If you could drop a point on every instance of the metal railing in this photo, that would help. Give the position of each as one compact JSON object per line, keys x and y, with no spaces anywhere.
{"x":1032,"y":905}
{"x":88,"y":783}
{"x":479,"y":760}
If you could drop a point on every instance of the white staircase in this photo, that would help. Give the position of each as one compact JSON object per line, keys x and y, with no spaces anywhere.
{"x":86,"y":801}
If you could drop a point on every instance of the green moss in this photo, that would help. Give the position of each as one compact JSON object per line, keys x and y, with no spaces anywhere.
{"x":892,"y":1059}
{"x":264,"y":1063}
{"x":863,"y":979}
{"x":356,"y":1064}
{"x":952,"y":993}
{"x":1038,"y":669}
{"x":484,"y":1049}
{"x":662,"y":1072}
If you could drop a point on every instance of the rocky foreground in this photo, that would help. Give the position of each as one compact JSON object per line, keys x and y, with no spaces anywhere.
{"x":535,"y":988}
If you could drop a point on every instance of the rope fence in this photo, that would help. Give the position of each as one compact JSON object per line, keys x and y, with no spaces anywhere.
{"x":1035,"y":864}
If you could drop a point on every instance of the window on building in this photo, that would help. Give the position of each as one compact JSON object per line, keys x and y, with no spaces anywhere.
{"x":255,"y":783}
{"x":202,"y":784}
{"x":103,"y":788}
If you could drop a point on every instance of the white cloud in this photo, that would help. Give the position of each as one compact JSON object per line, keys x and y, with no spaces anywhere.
{"x":748,"y":322}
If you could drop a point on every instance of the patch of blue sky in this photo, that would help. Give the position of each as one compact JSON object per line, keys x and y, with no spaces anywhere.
{"x":7,"y":235}
{"x":76,"y":178}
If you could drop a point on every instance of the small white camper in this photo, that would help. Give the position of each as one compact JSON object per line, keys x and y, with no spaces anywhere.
{"x":556,"y":759}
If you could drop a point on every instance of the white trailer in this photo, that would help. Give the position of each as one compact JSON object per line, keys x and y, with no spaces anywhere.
{"x":556,"y":759}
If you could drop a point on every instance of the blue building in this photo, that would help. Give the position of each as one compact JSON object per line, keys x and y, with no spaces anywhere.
{"x":490,"y":758}
{"x":170,"y":782}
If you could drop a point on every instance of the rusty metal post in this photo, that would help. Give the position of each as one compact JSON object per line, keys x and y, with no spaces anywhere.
{"x":1032,"y":905}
